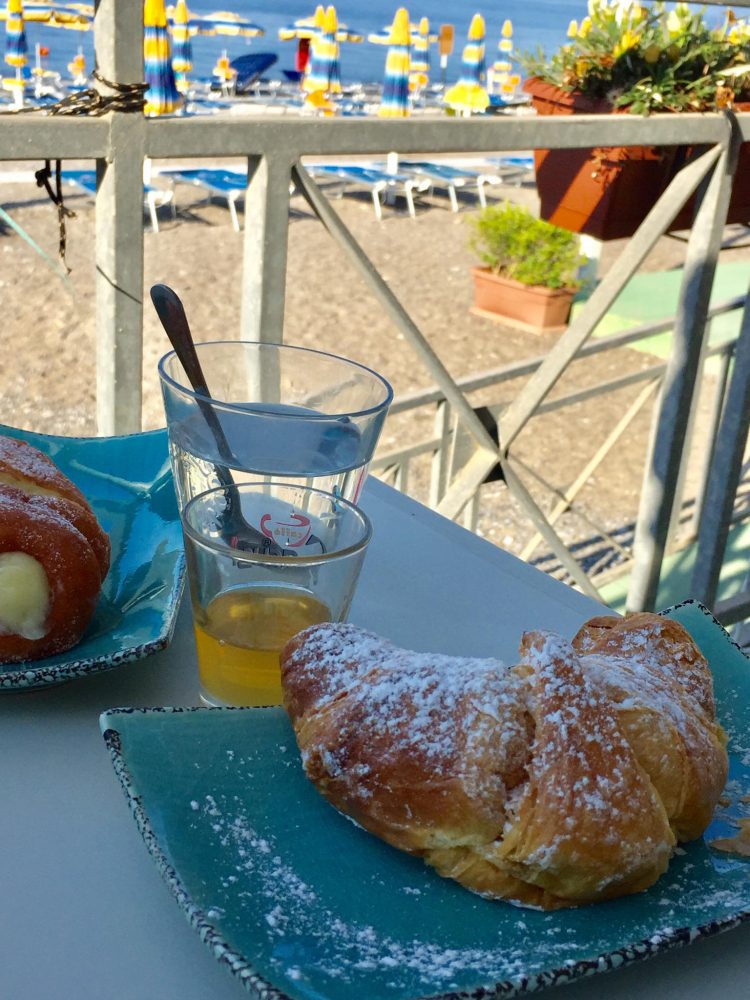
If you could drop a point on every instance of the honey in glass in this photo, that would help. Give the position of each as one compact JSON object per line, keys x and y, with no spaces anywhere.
{"x":239,"y":637}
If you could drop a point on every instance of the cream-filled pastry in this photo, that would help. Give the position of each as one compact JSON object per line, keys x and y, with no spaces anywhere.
{"x":54,"y":556}
{"x":24,"y":595}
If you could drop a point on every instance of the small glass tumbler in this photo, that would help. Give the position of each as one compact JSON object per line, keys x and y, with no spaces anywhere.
{"x":265,"y":560}
{"x":276,"y":412}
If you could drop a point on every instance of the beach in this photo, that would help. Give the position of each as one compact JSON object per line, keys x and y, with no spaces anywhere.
{"x":47,"y":338}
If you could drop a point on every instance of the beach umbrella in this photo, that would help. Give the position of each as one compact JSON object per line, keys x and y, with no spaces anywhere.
{"x":469,"y":94}
{"x":502,"y":77}
{"x":182,"y":49}
{"x":162,"y":96}
{"x":324,"y":75}
{"x":305,"y":28}
{"x":225,"y":22}
{"x":395,"y":100}
{"x":77,"y":68}
{"x":54,"y":15}
{"x":16,"y":49}
{"x":224,"y":71}
{"x":383,"y":37}
{"x":419,"y":70}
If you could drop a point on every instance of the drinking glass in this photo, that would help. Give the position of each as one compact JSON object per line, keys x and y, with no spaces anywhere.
{"x":276,"y":412}
{"x":250,"y":596}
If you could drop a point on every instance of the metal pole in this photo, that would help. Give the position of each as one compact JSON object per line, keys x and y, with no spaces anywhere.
{"x":725,"y":474}
{"x":663,"y":470}
{"x":265,"y":252}
{"x":119,"y":228}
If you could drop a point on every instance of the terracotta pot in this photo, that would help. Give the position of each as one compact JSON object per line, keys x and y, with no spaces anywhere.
{"x":605,"y":193}
{"x":608,"y":192}
{"x":739,"y":202}
{"x":531,"y":307}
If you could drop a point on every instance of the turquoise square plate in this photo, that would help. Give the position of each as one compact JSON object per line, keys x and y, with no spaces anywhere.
{"x":128,"y":482}
{"x":299,"y":902}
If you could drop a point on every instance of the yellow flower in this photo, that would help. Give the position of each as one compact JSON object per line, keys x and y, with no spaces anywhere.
{"x":628,"y":40}
{"x":585,"y":27}
{"x":673,"y":52}
{"x":573,"y":29}
{"x":651,"y":55}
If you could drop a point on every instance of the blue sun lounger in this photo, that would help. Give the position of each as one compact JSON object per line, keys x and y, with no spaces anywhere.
{"x":375,"y":180}
{"x":217,"y":182}
{"x":453,"y":178}
{"x":153,"y":197}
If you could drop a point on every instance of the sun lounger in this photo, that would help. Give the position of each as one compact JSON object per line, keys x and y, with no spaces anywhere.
{"x":375,"y":180}
{"x":154,"y":197}
{"x":229,"y":185}
{"x":453,"y":178}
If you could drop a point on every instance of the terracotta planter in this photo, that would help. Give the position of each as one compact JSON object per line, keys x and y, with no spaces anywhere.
{"x":604,"y":193}
{"x":608,"y":192}
{"x":739,"y":202}
{"x":531,"y":307}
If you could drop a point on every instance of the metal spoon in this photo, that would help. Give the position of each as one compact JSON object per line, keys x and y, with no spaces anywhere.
{"x":171,"y":312}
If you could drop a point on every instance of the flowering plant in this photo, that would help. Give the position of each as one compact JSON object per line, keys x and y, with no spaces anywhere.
{"x":651,"y":59}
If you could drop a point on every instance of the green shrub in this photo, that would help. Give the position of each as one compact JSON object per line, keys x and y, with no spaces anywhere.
{"x":515,"y":244}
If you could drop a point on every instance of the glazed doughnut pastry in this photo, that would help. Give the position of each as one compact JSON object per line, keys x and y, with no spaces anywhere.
{"x":565,"y":779}
{"x":54,"y":556}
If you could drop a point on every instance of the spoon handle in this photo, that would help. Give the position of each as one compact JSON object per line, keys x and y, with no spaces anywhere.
{"x":171,"y":312}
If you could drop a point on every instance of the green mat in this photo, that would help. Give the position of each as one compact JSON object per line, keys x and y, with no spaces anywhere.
{"x":677,"y":573}
{"x":652,"y":296}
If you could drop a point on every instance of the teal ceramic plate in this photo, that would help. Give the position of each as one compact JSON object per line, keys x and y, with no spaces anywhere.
{"x":299,"y":902}
{"x":128,"y":482}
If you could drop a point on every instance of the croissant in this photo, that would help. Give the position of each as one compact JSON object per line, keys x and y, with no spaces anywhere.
{"x":54,"y":556}
{"x":565,"y":779}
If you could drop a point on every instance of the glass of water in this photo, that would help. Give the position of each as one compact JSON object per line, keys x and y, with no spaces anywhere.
{"x":276,"y":412}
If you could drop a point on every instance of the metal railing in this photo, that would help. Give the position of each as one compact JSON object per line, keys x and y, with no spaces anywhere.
{"x":275,"y":147}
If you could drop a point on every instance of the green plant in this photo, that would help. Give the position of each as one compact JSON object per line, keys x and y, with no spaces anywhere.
{"x":515,"y":244}
{"x":651,"y":59}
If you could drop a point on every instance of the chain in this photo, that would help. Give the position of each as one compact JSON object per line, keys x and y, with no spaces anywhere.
{"x":127,"y":97}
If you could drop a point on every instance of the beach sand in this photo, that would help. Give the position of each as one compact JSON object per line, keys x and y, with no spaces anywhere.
{"x":47,"y":335}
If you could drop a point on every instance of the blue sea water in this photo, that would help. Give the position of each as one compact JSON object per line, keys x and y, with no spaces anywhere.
{"x":542,"y":23}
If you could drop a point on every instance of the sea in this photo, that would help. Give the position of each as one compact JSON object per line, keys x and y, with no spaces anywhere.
{"x":543,"y":23}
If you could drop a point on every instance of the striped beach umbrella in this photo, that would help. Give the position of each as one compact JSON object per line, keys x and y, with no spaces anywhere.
{"x":395,"y":100}
{"x":57,"y":15}
{"x":469,"y":94}
{"x":383,"y":37}
{"x":419,"y":71}
{"x":182,"y":48}
{"x":226,"y":22}
{"x":16,"y":49}
{"x":305,"y":28}
{"x":503,"y":79}
{"x":162,"y":96}
{"x":325,"y":74}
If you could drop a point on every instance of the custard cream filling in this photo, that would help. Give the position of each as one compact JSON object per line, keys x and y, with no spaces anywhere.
{"x":24,"y":596}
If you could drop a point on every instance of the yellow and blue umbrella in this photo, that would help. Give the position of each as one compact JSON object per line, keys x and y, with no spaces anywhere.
{"x":325,"y":75}
{"x":182,"y":49}
{"x":16,"y":48}
{"x":383,"y":37}
{"x":57,"y":15}
{"x":307,"y":28}
{"x":225,"y":22}
{"x":469,"y":94}
{"x":419,"y":71}
{"x":504,"y":80}
{"x":395,"y":100}
{"x":162,"y":96}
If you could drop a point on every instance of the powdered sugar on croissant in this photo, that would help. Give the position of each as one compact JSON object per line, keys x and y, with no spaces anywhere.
{"x":561,"y":780}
